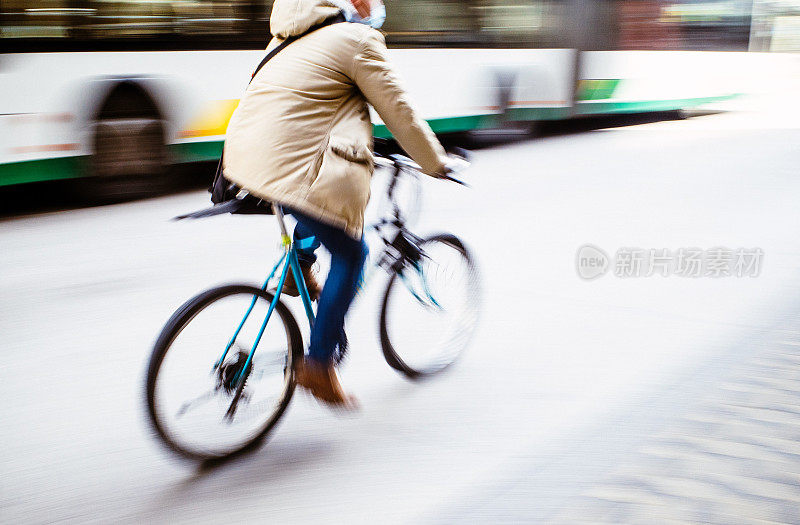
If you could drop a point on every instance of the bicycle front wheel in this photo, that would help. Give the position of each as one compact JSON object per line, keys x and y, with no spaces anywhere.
{"x":204,"y":399}
{"x":430,"y":308}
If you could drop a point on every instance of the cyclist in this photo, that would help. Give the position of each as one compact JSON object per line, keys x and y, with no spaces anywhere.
{"x":301,"y":137}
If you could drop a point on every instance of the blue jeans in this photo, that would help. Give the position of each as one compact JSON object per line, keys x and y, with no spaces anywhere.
{"x":347,"y":262}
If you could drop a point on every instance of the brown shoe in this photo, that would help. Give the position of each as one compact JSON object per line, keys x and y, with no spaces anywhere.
{"x":323,"y":383}
{"x":314,"y":288}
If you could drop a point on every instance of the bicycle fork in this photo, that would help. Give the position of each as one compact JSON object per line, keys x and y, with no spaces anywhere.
{"x":404,"y":252}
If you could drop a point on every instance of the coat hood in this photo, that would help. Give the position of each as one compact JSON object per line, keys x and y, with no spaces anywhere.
{"x":295,"y":17}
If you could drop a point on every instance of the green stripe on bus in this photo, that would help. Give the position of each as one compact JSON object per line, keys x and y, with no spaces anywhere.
{"x":197,"y":151}
{"x":593,"y":108}
{"x":538,"y":113}
{"x":596,"y":88}
{"x":41,"y":170}
{"x":72,"y":167}
{"x":448,"y":124}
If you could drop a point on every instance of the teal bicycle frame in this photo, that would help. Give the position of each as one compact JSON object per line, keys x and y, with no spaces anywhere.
{"x":289,"y":260}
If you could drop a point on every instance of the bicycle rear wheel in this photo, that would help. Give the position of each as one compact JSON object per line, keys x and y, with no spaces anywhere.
{"x":203,"y":405}
{"x":430,"y":309}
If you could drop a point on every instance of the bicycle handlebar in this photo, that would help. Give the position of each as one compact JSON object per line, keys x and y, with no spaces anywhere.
{"x":397,"y":161}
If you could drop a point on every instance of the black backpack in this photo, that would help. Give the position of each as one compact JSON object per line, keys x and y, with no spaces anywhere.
{"x":227,"y":196}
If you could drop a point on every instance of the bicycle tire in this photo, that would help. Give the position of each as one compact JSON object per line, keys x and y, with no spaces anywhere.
{"x":171,"y":330}
{"x":392,"y":351}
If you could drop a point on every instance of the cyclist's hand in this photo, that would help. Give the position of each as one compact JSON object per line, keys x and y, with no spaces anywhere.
{"x":453,"y":167}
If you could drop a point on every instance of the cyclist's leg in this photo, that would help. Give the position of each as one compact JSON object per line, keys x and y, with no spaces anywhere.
{"x":347,"y":261}
{"x":307,"y":243}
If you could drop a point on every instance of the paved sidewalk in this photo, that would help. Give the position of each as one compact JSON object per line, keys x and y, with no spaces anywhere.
{"x":733,"y":458}
{"x":721,"y":445}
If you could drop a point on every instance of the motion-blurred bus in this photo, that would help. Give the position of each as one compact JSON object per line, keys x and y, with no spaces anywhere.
{"x":115,"y":91}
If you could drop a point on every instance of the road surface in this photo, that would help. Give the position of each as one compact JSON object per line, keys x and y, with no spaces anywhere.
{"x":630,"y":399}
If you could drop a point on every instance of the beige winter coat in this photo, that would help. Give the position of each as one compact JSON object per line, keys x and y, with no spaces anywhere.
{"x":302,"y":135}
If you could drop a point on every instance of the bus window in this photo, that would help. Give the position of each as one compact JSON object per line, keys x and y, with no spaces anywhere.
{"x":475,"y":23}
{"x":103,"y":25}
{"x":684,"y":24}
{"x":430,"y":23}
{"x":522,"y":23}
{"x":42,"y":19}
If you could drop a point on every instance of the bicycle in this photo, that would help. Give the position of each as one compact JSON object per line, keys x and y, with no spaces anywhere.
{"x":248,"y":391}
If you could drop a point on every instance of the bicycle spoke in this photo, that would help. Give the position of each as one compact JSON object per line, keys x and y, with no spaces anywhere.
{"x":184,"y":408}
{"x":268,"y":361}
